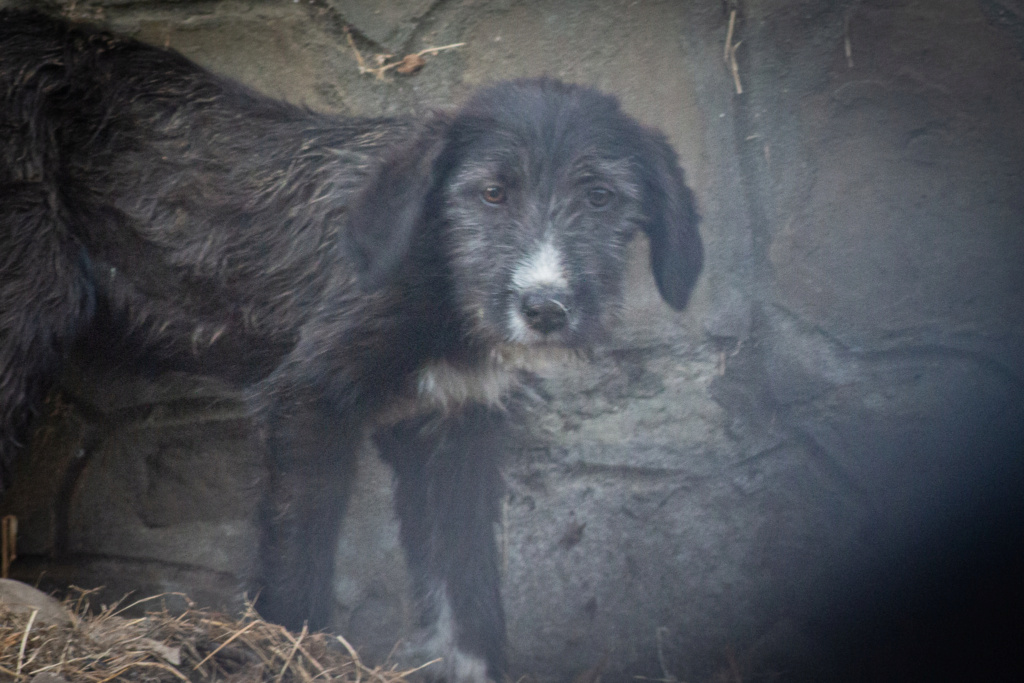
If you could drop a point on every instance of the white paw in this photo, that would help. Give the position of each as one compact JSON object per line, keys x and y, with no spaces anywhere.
{"x":450,"y":665}
{"x":438,"y":642}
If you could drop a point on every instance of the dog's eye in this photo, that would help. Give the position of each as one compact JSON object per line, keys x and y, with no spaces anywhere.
{"x":599,"y":196}
{"x":494,"y":194}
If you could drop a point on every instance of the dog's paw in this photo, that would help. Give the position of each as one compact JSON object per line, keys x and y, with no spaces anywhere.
{"x":438,"y":659}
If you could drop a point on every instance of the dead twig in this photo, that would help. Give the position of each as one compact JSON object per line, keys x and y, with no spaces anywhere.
{"x":847,"y":45}
{"x":355,"y":658}
{"x":728,"y":36}
{"x":154,"y":665}
{"x":149,"y":599}
{"x":8,"y":543}
{"x":24,"y":642}
{"x":407,"y":65}
{"x":291,"y":654}
{"x":225,"y":643}
{"x":729,"y":53}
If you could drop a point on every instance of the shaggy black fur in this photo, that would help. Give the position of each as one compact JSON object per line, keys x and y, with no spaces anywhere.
{"x":350,"y":272}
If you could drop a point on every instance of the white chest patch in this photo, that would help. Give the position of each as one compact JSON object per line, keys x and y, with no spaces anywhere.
{"x":446,"y":386}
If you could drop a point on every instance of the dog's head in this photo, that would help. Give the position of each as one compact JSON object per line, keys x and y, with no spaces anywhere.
{"x":537,"y":187}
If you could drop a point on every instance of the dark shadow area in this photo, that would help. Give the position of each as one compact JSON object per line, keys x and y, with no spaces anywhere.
{"x":947,"y":605}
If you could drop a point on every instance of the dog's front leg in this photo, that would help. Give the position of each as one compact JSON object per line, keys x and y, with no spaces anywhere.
{"x":448,"y":499}
{"x":311,"y":464}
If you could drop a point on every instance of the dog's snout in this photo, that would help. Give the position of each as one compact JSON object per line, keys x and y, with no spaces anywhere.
{"x":543,"y":311}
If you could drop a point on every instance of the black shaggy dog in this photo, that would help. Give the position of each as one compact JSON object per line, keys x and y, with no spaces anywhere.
{"x":356,"y":275}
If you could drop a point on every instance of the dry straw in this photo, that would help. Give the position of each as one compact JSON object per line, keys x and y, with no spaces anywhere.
{"x":194,"y":646}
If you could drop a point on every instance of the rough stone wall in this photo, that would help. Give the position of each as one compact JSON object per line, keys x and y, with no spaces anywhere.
{"x":836,"y":416}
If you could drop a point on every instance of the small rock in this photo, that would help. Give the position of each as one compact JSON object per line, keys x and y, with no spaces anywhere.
{"x":47,"y":677}
{"x":19,"y":598}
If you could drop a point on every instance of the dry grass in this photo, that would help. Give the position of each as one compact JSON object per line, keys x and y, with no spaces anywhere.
{"x":197,"y":645}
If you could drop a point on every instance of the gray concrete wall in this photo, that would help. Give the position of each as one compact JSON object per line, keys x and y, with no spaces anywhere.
{"x":752,"y":483}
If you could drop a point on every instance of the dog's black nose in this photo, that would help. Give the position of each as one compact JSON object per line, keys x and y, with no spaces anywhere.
{"x":543,"y":312}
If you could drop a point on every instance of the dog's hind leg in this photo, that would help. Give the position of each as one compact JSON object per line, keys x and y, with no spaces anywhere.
{"x":448,"y":500}
{"x":312,"y":461}
{"x":45,"y":298}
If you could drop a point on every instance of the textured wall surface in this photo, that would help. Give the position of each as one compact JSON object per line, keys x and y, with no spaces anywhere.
{"x":806,"y":464}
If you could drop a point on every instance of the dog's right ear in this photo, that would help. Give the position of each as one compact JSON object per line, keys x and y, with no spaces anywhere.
{"x":386,"y":213}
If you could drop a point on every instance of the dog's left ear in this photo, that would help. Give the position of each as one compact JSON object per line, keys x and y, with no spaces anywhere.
{"x":386,"y":213}
{"x":671,"y":218}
